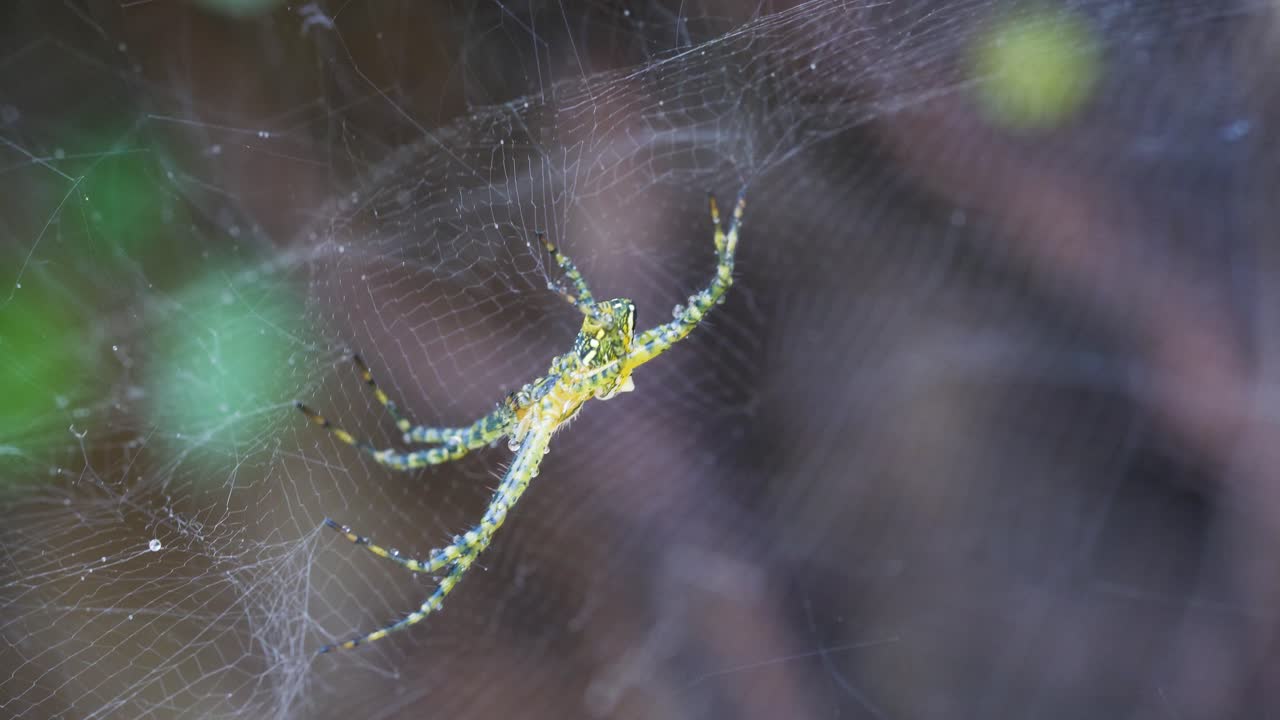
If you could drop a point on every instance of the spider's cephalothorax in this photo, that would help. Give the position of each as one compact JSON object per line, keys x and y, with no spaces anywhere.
{"x":603,"y":344}
{"x":600,"y":364}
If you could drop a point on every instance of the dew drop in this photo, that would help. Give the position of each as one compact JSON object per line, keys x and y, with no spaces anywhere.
{"x":155,"y":545}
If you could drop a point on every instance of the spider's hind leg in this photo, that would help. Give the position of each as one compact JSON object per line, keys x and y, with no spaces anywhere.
{"x":432,"y":604}
{"x":435,"y":563}
{"x":453,"y":449}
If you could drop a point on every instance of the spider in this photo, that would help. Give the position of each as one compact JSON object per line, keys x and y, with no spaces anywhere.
{"x":604,"y":354}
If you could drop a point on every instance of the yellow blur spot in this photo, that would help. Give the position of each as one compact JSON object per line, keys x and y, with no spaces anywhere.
{"x":1035,"y":70}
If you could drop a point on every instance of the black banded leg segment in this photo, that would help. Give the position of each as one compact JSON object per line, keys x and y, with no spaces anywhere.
{"x":584,"y":299}
{"x":403,"y":423}
{"x":390,"y":458}
{"x":337,"y":432}
{"x":435,"y":564}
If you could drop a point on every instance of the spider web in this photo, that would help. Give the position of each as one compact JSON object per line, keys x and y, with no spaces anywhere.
{"x":981,"y":431}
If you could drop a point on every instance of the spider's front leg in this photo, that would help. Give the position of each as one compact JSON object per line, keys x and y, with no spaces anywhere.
{"x":658,"y":340}
{"x":584,"y":300}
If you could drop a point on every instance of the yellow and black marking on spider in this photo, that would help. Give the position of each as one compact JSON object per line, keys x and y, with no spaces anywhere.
{"x":604,"y":354}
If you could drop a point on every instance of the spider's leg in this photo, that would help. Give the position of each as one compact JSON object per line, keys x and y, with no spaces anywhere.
{"x":477,"y":435}
{"x":482,"y":432}
{"x":460,"y":556}
{"x":436,"y":563}
{"x":451,"y":450}
{"x":584,"y":299}
{"x":432,"y":604}
{"x":402,"y":421}
{"x":658,"y":340}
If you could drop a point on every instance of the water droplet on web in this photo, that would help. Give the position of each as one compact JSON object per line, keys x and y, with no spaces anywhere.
{"x":130,"y":616}
{"x":264,"y":134}
{"x":675,"y":311}
{"x":155,"y":545}
{"x":513,"y":445}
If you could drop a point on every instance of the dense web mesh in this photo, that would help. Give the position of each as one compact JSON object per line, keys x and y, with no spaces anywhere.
{"x":982,"y":429}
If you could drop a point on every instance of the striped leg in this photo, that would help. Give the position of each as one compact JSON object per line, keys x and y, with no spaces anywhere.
{"x":478,"y":434}
{"x":435,"y":563}
{"x":432,"y":604}
{"x":412,"y":432}
{"x":584,"y":299}
{"x":658,"y":340}
{"x":460,"y":556}
{"x":451,"y":450}
{"x":402,"y":421}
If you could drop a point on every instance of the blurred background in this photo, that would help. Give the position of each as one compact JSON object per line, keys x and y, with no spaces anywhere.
{"x":983,"y":429}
